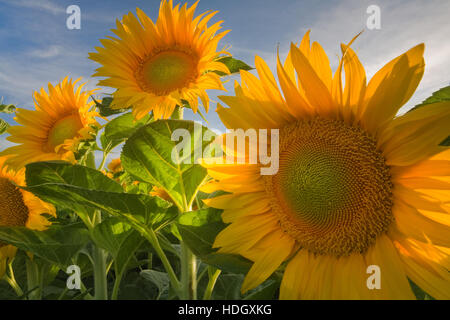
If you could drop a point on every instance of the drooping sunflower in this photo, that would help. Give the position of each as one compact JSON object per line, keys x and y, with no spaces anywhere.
{"x":156,"y":66}
{"x":357,"y":186}
{"x":53,"y":131}
{"x":18,"y":208}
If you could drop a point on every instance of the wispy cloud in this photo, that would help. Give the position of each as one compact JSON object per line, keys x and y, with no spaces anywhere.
{"x":56,"y":9}
{"x":403,"y":25}
{"x":44,"y":5}
{"x":48,"y":52}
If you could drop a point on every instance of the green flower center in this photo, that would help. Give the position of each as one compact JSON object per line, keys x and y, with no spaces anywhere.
{"x":65,"y":128}
{"x":333,"y":191}
{"x":167,"y":71}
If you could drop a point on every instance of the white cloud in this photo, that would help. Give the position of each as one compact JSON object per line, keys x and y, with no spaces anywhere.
{"x":20,"y":77}
{"x":404,"y":24}
{"x":57,"y":10}
{"x":49,"y":52}
{"x":45,"y":5}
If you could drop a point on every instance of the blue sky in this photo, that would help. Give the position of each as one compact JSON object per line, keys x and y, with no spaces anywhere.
{"x":37,"y":48}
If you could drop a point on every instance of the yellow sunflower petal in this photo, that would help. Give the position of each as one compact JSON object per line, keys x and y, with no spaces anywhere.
{"x":266,"y":264}
{"x":394,"y":283}
{"x":355,"y":82}
{"x":426,"y":265}
{"x":316,"y":91}
{"x":413,"y":224}
{"x":391,"y":87}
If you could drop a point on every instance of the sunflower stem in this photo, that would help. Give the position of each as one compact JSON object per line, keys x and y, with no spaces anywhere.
{"x":11,"y":280}
{"x":100,"y":273}
{"x":188,"y":259}
{"x":188,"y":273}
{"x":115,"y":292}
{"x":153,"y":239}
{"x":213,"y":274}
{"x":34,"y":283}
{"x":104,"y":157}
{"x":178,"y":113}
{"x":100,"y":279}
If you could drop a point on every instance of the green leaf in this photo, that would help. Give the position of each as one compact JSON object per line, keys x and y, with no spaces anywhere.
{"x":3,"y":126}
{"x":199,"y":229}
{"x":441,"y":95}
{"x":418,"y":292}
{"x":187,"y":105}
{"x":147,"y":155}
{"x":110,"y":234}
{"x":107,"y":108}
{"x":57,"y":173}
{"x":228,"y":287}
{"x":57,"y":245}
{"x":64,"y":173}
{"x":228,"y":262}
{"x":7,"y":108}
{"x":446,"y":142}
{"x":121,"y":128}
{"x":234,"y":65}
{"x":119,"y":239}
{"x":159,"y":279}
{"x":266,"y":291}
{"x":74,"y":186}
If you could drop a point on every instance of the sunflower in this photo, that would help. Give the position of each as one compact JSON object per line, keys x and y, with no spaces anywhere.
{"x":157,"y":66}
{"x":18,"y":208}
{"x":357,"y":186}
{"x":114,"y":169}
{"x":115,"y":166}
{"x":53,"y":131}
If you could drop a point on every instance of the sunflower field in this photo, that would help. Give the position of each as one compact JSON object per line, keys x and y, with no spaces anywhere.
{"x":342,"y":198}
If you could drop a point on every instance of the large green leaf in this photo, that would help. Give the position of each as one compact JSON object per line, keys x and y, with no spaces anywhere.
{"x":147,"y":155}
{"x":121,"y":128}
{"x":64,"y":173}
{"x":234,"y":65}
{"x":199,"y":230}
{"x":57,"y":245}
{"x":75,"y":186}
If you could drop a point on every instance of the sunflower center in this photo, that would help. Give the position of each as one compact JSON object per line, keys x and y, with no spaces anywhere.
{"x":65,"y":128}
{"x":167,"y":71}
{"x":13,"y":211}
{"x":333,"y":191}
